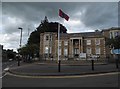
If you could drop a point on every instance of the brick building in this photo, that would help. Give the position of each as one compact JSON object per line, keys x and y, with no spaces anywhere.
{"x":110,"y":33}
{"x":71,"y":45}
{"x":76,"y":46}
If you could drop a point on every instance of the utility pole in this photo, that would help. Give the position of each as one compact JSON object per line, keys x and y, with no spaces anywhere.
{"x":20,"y":43}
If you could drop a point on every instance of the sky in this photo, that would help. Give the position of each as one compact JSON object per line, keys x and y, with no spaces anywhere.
{"x":84,"y":17}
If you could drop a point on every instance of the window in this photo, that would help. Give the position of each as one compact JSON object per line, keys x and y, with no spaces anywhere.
{"x":111,"y":36}
{"x":88,"y":50}
{"x":76,"y":43}
{"x":97,"y":41}
{"x":46,"y":49}
{"x":88,"y":42}
{"x":97,"y":50}
{"x":59,"y":43}
{"x":65,"y":52}
{"x":76,"y":51}
{"x":50,"y":49}
{"x":117,"y":33}
{"x":59,"y":51}
{"x":50,"y":38}
{"x":65,"y":43}
{"x":47,"y":37}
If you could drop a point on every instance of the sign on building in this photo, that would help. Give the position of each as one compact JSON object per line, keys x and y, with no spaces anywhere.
{"x":82,"y":55}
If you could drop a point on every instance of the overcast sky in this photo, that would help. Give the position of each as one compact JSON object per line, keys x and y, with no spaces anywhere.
{"x":84,"y":17}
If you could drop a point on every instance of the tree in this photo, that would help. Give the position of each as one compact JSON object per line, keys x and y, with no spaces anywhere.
{"x":113,"y":42}
{"x":29,"y":50}
{"x":8,"y":54}
{"x":117,"y":42}
{"x":45,"y":26}
{"x":32,"y":46}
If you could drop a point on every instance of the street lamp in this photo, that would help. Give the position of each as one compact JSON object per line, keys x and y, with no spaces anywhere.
{"x":20,"y":44}
{"x":20,"y":35}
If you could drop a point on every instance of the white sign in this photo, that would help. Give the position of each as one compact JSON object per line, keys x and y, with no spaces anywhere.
{"x":82,"y":55}
{"x":94,"y":57}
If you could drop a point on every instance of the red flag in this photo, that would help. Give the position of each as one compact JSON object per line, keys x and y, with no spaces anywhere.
{"x":63,"y":15}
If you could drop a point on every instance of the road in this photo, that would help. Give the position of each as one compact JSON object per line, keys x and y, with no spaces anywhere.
{"x":8,"y":64}
{"x":97,"y":80}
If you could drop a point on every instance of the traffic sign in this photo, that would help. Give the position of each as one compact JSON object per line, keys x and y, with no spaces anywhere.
{"x":116,"y":51}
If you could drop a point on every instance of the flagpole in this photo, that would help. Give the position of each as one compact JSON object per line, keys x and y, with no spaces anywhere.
{"x":58,"y":47}
{"x":63,"y":15}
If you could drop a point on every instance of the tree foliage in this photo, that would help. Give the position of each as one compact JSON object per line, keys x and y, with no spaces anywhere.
{"x":32,"y":46}
{"x":113,"y":42}
{"x":45,"y":26}
{"x":29,"y":50}
{"x":8,"y":54}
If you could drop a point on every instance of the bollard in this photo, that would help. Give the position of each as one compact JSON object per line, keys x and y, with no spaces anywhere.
{"x":18,"y":61}
{"x":117,"y":61}
{"x":93,"y":65}
{"x":59,"y":66}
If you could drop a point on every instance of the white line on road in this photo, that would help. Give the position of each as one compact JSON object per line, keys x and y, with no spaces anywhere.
{"x":73,"y":76}
{"x":6,"y":69}
{"x":3,"y":75}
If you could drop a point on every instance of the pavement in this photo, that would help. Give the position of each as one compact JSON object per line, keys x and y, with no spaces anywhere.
{"x":51,"y":69}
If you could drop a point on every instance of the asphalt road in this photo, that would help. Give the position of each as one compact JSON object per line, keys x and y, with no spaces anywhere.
{"x":97,"y":80}
{"x":8,"y":64}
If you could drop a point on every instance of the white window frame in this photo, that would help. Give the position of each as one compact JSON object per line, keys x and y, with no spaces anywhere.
{"x":46,"y":49}
{"x":97,"y":41}
{"x":50,"y":37}
{"x":65,"y":43}
{"x":60,"y":51}
{"x":60,"y":43}
{"x":89,"y":51}
{"x":88,"y":42}
{"x":76,"y":51}
{"x":46,"y":37}
{"x":50,"y":48}
{"x":97,"y":50}
{"x":65,"y":51}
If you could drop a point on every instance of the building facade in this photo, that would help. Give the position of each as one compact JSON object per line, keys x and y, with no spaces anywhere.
{"x":76,"y":46}
{"x":109,"y":34}
{"x":1,"y":48}
{"x":72,"y":45}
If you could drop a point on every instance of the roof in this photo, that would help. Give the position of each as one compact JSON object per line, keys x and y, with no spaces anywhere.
{"x":113,"y":28}
{"x":86,"y":34}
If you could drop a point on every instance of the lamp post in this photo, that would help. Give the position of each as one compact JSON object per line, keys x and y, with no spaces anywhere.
{"x":20,"y":44}
{"x":20,"y":35}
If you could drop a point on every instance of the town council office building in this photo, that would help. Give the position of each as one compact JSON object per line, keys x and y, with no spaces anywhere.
{"x":76,"y":46}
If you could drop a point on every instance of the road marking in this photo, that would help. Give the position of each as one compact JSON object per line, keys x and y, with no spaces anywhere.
{"x":72,"y":76}
{"x":6,"y":69}
{"x":4,"y":75}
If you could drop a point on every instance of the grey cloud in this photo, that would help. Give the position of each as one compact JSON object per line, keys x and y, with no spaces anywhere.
{"x":101,"y":15}
{"x":93,"y":15}
{"x":96,"y":13}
